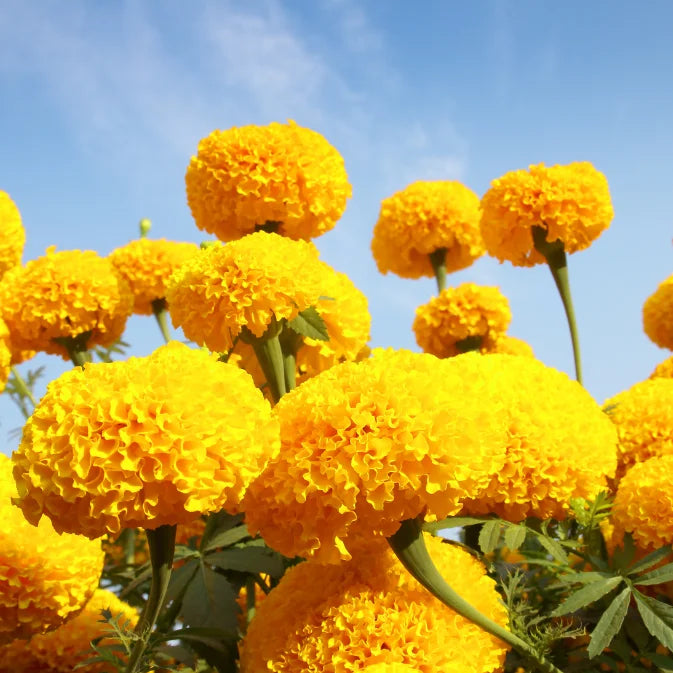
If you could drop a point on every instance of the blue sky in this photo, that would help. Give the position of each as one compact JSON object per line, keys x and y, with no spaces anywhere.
{"x":102,"y":105}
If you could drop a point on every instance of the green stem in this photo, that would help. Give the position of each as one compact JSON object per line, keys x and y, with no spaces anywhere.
{"x":270,"y":356}
{"x":76,"y":347}
{"x":22,"y":386}
{"x":556,"y":258}
{"x":161,"y":314}
{"x":409,"y":546}
{"x":438,"y":261}
{"x":270,"y":226}
{"x":161,"y":542}
{"x":290,"y":343}
{"x":471,"y":343}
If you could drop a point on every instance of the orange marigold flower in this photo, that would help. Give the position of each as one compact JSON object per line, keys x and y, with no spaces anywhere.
{"x":368,"y":614}
{"x":664,"y":370}
{"x":45,"y":578}
{"x":467,"y":317}
{"x":643,"y":415}
{"x":508,"y":345}
{"x":61,"y":650}
{"x":284,"y":174}
{"x":148,"y":442}
{"x":147,"y":264}
{"x":367,"y":445}
{"x":12,"y":234}
{"x":5,"y":354}
{"x":571,"y":202}
{"x":658,"y":315}
{"x":246,"y":283}
{"x":64,"y":294}
{"x":424,"y":217}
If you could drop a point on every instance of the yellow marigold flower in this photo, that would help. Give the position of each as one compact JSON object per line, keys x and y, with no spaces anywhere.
{"x":367,"y":445}
{"x":147,"y":264}
{"x":45,"y":578}
{"x":61,"y":650}
{"x":664,"y":370}
{"x":559,"y":444}
{"x":243,"y":284}
{"x":64,"y":294}
{"x":143,"y":443}
{"x":368,"y":614}
{"x":5,"y":354}
{"x":12,"y":234}
{"x":425,"y":217}
{"x":658,"y":315}
{"x":643,"y":415}
{"x":449,"y":323}
{"x":571,"y":202}
{"x":245,"y":177}
{"x":508,"y":345}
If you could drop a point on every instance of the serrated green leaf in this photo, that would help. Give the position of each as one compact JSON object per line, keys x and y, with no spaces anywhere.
{"x":554,"y":548}
{"x":310,"y":324}
{"x":515,"y":536}
{"x":658,"y":618}
{"x":610,"y":623}
{"x":657,"y":576}
{"x":250,"y":559}
{"x":622,"y":556}
{"x":489,"y":536}
{"x":227,"y":538}
{"x":588,"y":594}
{"x":453,"y":522}
{"x":582,"y":578}
{"x":651,"y":559}
{"x":209,"y":601}
{"x":180,"y":578}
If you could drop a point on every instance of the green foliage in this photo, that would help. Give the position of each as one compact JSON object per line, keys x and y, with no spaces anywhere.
{"x":310,"y":324}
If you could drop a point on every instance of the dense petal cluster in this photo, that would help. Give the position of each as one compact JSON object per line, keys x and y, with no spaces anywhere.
{"x":658,"y":315}
{"x":643,"y":415}
{"x":509,"y":345}
{"x":286,"y":174}
{"x":45,"y":578}
{"x":61,"y":650}
{"x":5,"y":354}
{"x":664,"y":370}
{"x":467,"y":317}
{"x":571,"y":202}
{"x":367,"y":445}
{"x":143,"y":443}
{"x":559,"y":444}
{"x":147,"y":264}
{"x":12,"y":234}
{"x":244,"y":284}
{"x":369,"y":615}
{"x":422,"y":218}
{"x":64,"y":294}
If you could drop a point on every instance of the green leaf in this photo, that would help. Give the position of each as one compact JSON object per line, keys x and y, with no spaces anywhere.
{"x":310,"y":324}
{"x":217,"y":524}
{"x":663,"y":574}
{"x":588,"y":594}
{"x":583,"y":578}
{"x":210,"y":601}
{"x":610,"y":623}
{"x":622,"y":556}
{"x":658,"y":618}
{"x":180,"y":578}
{"x":650,"y":560}
{"x":515,"y":536}
{"x":554,"y":548}
{"x":453,"y":522}
{"x":489,"y":535}
{"x":226,"y":538}
{"x":662,"y":662}
{"x":249,"y":559}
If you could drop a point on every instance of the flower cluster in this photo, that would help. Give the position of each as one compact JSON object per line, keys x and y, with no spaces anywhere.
{"x":509,"y":345}
{"x":423,"y":218}
{"x":572,"y":203}
{"x":143,"y":443}
{"x":658,"y":315}
{"x":12,"y":234}
{"x":282,"y":174}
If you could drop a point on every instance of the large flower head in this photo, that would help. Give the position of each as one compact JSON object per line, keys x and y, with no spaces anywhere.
{"x":45,"y":578}
{"x":244,"y":284}
{"x":64,"y":294}
{"x":147,"y":264}
{"x":246,"y":177}
{"x":467,"y":317}
{"x":423,"y":218}
{"x":509,"y":345}
{"x":143,"y":443}
{"x":369,"y":615}
{"x":61,"y":650}
{"x":12,"y":234}
{"x":572,"y":203}
{"x":5,"y":354}
{"x":658,"y":315}
{"x":367,"y":445}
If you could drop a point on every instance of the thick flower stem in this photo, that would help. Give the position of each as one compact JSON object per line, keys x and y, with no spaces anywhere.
{"x":409,"y":546}
{"x":161,"y":314}
{"x":438,"y":261}
{"x":22,"y":386}
{"x":270,"y":356}
{"x":555,"y":255}
{"x":76,"y":347}
{"x":290,"y":343}
{"x":161,"y":542}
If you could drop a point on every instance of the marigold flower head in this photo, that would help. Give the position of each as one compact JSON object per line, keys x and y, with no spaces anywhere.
{"x":365,"y":446}
{"x":664,"y":370}
{"x":64,"y":294}
{"x":643,"y":416}
{"x":368,"y":614}
{"x":147,"y":264}
{"x":246,"y":283}
{"x":143,"y":443}
{"x":467,"y":312}
{"x":658,"y":315}
{"x":45,"y":578}
{"x":571,"y":202}
{"x":61,"y":650}
{"x":12,"y":234}
{"x":244,"y":177}
{"x":509,"y":345}
{"x":5,"y":354}
{"x":422,"y":218}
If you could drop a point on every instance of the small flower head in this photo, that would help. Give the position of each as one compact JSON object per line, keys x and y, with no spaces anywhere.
{"x":424,"y":217}
{"x":467,"y":313}
{"x":285,"y":174}
{"x":658,"y":315}
{"x":147,"y":264}
{"x":571,"y":202}
{"x":12,"y":234}
{"x":143,"y":443}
